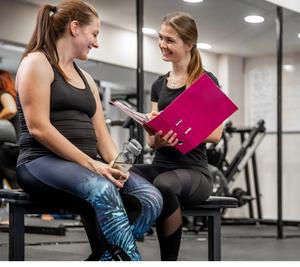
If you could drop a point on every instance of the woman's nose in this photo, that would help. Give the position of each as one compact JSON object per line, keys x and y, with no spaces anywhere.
{"x":162,"y":44}
{"x":96,"y":44}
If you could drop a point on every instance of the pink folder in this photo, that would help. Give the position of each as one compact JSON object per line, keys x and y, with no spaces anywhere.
{"x":195,"y":114}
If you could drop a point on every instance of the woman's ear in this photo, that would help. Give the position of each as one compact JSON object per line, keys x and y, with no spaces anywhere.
{"x":189,"y":47}
{"x":74,"y":28}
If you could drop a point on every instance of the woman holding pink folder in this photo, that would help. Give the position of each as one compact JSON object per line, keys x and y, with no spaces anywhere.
{"x":182,"y":179}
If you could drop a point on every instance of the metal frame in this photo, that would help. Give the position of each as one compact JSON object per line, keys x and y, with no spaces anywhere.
{"x":279,"y":27}
{"x":17,"y":228}
{"x":214,"y":230}
{"x":140,"y":70}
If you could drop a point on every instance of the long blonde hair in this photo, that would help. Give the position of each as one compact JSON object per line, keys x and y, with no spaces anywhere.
{"x":186,"y":28}
{"x":49,"y":28}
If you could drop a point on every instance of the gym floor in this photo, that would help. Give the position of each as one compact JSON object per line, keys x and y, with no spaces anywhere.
{"x":239,"y":243}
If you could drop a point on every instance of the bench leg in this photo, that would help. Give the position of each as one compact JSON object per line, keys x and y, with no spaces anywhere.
{"x":214,"y":236}
{"x":16,"y":233}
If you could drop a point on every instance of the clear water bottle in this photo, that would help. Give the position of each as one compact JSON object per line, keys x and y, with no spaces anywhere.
{"x":125,"y":159}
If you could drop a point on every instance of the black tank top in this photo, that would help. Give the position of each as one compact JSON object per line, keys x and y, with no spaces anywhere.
{"x":71,"y":110}
{"x":169,"y":157}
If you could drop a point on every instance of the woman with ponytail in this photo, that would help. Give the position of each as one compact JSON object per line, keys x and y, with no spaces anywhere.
{"x":66,"y":152}
{"x":182,"y":179}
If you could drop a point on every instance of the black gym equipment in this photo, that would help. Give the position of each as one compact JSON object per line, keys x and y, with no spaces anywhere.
{"x":9,"y":150}
{"x":225,"y":173}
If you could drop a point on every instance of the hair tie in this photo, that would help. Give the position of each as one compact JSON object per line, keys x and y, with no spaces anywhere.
{"x":53,"y":9}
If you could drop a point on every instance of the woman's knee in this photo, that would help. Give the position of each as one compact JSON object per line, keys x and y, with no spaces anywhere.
{"x":144,"y":192}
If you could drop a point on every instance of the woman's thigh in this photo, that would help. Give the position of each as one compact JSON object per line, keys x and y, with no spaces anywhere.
{"x":147,"y":171}
{"x":55,"y":181}
{"x":188,"y":185}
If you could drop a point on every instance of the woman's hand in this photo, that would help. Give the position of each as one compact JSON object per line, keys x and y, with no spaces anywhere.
{"x":106,"y":171}
{"x":152,"y":114}
{"x":156,"y":140}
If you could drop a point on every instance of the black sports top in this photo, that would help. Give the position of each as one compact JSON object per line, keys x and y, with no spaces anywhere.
{"x":170,"y":157}
{"x":71,"y":110}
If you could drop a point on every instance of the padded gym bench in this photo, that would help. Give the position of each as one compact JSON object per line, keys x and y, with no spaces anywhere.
{"x":211,"y":208}
{"x":21,"y":204}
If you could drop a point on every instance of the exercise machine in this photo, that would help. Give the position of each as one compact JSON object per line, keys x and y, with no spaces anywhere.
{"x":225,"y":173}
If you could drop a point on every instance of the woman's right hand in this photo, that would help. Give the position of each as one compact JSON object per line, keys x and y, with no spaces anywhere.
{"x":156,"y":140}
{"x":106,"y":171}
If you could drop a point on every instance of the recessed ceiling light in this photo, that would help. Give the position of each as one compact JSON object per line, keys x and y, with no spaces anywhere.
{"x":288,"y":67}
{"x":149,"y":31}
{"x":193,"y":1}
{"x":204,"y":46}
{"x":299,"y":35}
{"x":254,"y":19}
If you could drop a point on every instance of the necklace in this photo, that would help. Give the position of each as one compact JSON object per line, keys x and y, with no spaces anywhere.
{"x":173,"y":83}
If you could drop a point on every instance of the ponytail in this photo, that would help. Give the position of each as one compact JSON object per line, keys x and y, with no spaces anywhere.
{"x":52,"y":23}
{"x":195,"y":67}
{"x":44,"y":38}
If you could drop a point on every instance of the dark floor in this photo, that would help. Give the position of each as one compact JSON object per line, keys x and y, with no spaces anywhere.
{"x":239,"y":243}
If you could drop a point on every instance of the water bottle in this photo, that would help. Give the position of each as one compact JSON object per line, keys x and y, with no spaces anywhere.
{"x":125,"y":159}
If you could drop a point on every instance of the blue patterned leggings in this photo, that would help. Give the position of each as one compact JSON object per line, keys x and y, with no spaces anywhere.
{"x":53,"y":180}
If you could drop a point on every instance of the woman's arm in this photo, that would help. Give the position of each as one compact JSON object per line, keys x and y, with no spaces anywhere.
{"x":34,"y":79}
{"x":9,"y":106}
{"x":215,"y":136}
{"x":105,"y":145}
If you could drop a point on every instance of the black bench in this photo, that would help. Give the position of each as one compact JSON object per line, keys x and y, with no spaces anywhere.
{"x":21,"y":204}
{"x":211,"y":209}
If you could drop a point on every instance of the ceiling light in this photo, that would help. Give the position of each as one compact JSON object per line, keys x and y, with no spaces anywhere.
{"x":11,"y":47}
{"x":299,"y":35}
{"x":204,"y":46}
{"x":149,"y":31}
{"x":193,"y":1}
{"x":288,"y":68}
{"x":254,"y":19}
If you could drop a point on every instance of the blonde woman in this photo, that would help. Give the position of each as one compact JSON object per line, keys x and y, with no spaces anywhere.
{"x":182,"y":179}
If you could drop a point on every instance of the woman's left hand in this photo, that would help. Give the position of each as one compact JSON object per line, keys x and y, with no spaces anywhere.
{"x":152,"y":114}
{"x":122,"y":179}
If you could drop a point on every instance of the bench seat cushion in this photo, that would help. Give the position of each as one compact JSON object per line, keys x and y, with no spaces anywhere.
{"x":215,"y":202}
{"x":16,"y":196}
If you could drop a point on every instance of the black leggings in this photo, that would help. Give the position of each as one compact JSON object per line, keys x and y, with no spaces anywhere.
{"x":57,"y":182}
{"x":179,"y":187}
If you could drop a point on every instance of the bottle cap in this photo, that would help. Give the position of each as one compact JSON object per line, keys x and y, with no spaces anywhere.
{"x":134,"y":147}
